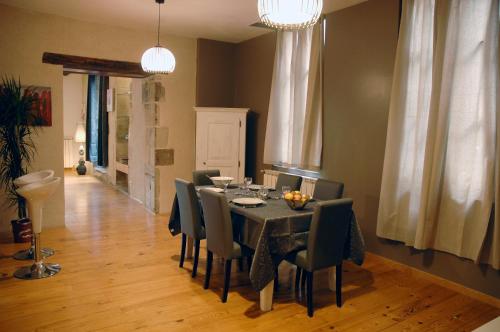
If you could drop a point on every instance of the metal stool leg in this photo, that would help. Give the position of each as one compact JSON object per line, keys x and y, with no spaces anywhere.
{"x":39,"y":269}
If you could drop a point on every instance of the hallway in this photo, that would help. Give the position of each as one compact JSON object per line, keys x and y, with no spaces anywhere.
{"x":120,"y":272}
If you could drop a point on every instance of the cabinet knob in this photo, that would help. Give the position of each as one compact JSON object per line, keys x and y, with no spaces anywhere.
{"x":204,"y":163}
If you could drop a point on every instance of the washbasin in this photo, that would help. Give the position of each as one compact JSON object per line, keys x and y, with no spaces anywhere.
{"x":41,"y":176}
{"x":36,"y":194}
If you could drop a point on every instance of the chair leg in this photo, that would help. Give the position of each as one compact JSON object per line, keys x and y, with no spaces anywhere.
{"x":297,"y":279}
{"x":338,"y":289}
{"x":227,"y":278}
{"x":183,"y":250}
{"x":196,"y":256}
{"x":276,"y":280}
{"x":310,"y":309}
{"x":210,"y":257}
{"x":303,"y":278}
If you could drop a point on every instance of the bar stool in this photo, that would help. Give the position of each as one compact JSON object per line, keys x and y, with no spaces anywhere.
{"x":41,"y":176}
{"x":36,"y":194}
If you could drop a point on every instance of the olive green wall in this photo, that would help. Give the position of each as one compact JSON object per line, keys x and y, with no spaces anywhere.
{"x":215,"y":73}
{"x":359,"y":59}
{"x":239,"y":75}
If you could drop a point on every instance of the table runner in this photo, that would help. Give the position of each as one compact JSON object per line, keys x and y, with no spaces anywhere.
{"x":273,"y":231}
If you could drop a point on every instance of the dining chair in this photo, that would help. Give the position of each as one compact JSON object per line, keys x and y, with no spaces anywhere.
{"x":201,"y":178}
{"x":293,"y":181}
{"x":325,"y":245}
{"x":327,"y":190}
{"x":220,"y":241}
{"x":191,"y":220}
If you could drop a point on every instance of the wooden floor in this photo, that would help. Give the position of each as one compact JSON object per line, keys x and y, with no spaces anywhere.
{"x":120,"y":273}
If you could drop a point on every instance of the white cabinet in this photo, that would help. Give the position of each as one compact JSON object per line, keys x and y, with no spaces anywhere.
{"x":221,"y":139}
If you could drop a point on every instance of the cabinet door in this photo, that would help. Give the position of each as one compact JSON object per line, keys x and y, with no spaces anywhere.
{"x":218,"y":142}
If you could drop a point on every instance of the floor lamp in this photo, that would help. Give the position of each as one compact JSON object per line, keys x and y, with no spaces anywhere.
{"x":80,"y":138}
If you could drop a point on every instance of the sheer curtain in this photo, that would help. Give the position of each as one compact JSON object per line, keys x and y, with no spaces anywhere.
{"x":294,"y":122}
{"x":438,"y":184}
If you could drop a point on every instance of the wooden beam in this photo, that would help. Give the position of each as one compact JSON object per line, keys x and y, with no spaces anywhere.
{"x":94,"y":66}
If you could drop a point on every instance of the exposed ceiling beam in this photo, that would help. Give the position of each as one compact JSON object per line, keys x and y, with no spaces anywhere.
{"x":94,"y":66}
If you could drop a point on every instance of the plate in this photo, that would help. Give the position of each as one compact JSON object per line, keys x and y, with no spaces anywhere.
{"x":217,"y":190}
{"x":257,"y":187}
{"x":246,"y":201}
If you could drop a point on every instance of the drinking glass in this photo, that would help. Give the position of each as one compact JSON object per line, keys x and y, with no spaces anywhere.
{"x":285,"y":190}
{"x":248,"y":182}
{"x":263,"y":193}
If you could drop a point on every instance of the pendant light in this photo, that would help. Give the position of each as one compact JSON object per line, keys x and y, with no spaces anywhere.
{"x":289,"y":14}
{"x":158,"y":59}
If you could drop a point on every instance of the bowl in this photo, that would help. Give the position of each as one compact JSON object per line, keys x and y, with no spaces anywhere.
{"x":296,"y":200}
{"x":221,"y":181}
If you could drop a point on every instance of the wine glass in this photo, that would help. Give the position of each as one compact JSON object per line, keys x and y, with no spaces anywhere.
{"x":248,"y":181}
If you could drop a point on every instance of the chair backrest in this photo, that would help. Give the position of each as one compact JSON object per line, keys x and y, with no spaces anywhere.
{"x":328,"y":190}
{"x":218,"y":224}
{"x":189,"y":209}
{"x":292,"y":181}
{"x":200,"y":178}
{"x":328,"y":233}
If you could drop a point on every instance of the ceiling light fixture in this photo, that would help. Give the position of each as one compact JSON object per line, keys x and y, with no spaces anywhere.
{"x":289,"y":14}
{"x":158,"y":59}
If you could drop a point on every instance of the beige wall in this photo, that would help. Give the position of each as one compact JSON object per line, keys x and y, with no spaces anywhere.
{"x":26,"y":35}
{"x":359,"y":61}
{"x":72,"y":108}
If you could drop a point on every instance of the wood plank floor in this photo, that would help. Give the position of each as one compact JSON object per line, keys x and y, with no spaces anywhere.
{"x":120,"y":273}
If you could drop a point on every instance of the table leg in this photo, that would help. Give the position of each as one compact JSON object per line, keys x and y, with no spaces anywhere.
{"x":266,"y":297}
{"x":189,"y":248}
{"x":331,"y":279}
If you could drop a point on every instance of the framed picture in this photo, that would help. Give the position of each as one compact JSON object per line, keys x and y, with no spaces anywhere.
{"x":42,"y":105}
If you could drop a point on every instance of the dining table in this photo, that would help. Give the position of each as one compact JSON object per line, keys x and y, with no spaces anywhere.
{"x":273,"y":230}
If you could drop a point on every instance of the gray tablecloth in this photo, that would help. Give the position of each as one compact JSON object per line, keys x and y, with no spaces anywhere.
{"x":273,"y":231}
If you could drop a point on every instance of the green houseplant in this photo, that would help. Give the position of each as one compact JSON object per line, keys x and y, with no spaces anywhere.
{"x":16,"y":145}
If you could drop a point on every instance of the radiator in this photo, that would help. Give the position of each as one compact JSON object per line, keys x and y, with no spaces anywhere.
{"x":69,"y":152}
{"x":271,"y":176}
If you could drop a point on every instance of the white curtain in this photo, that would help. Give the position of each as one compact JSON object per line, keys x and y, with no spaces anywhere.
{"x":294,"y":122}
{"x":438,"y":184}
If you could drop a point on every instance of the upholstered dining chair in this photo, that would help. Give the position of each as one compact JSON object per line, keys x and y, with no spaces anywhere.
{"x":327,"y":190}
{"x":292,"y":181}
{"x":191,"y":220}
{"x":201,"y":178}
{"x":220,"y":241}
{"x":325,"y":245}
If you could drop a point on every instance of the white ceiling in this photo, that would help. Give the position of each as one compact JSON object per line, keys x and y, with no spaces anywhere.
{"x":225,"y":20}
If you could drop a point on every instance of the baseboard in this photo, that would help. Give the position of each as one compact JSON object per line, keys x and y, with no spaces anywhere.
{"x":491,"y":300}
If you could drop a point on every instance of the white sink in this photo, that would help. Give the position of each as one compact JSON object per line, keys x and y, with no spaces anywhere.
{"x":36,"y":194}
{"x":41,"y":176}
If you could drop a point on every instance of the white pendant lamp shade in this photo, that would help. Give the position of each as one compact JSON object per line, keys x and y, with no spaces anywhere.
{"x":158,"y":60}
{"x":290,"y":14}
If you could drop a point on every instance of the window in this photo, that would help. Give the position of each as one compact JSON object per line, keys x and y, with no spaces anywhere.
{"x":294,"y":123}
{"x":97,"y":121}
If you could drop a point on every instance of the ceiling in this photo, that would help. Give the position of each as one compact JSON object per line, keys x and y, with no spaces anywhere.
{"x":225,"y":20}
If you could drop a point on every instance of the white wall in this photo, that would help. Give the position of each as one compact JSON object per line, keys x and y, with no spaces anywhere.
{"x":26,"y":35}
{"x":73,"y":110}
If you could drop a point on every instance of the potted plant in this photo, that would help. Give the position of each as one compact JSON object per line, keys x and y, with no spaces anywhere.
{"x":16,"y":148}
